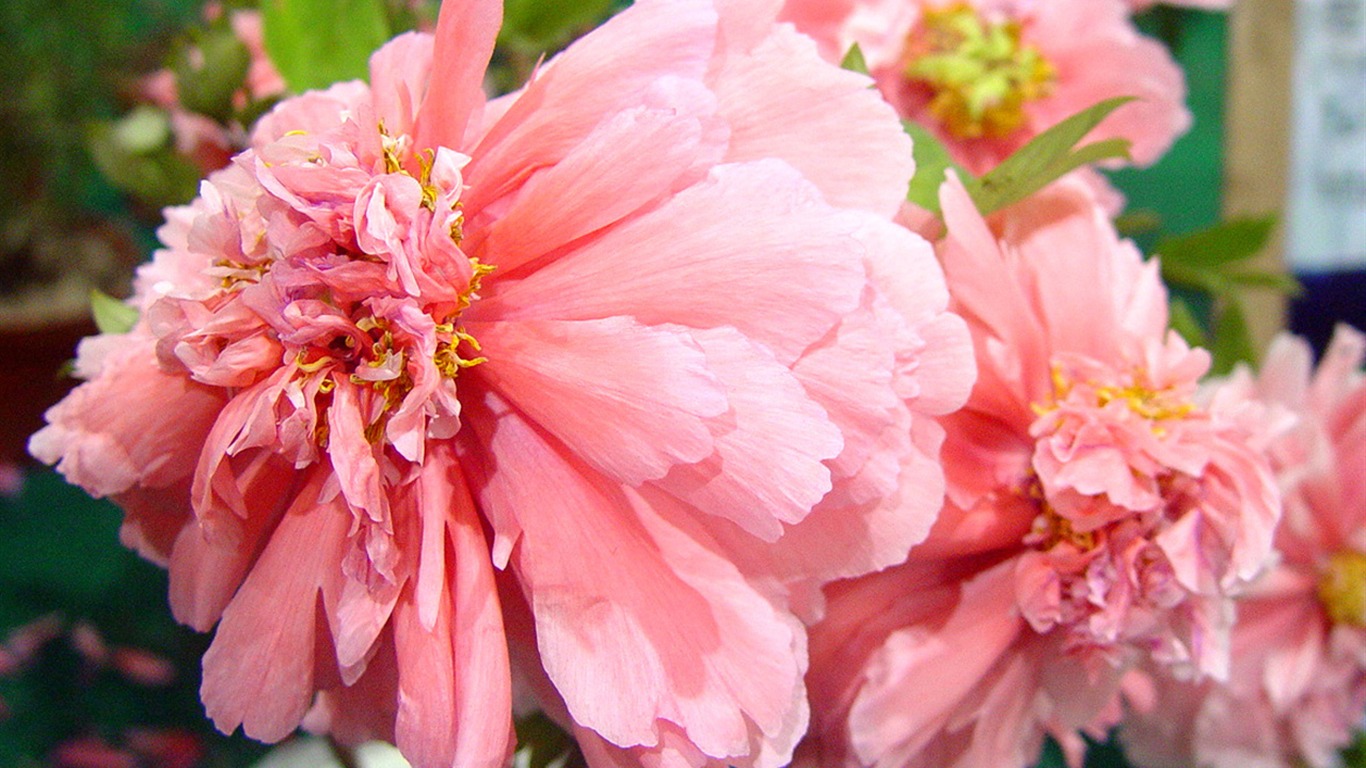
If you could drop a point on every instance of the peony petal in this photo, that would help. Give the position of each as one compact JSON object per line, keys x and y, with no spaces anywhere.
{"x":465,"y":34}
{"x":744,"y":269}
{"x":258,"y":673}
{"x":781,"y":100}
{"x":631,"y":401}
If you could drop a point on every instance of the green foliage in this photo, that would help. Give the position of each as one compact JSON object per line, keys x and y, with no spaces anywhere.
{"x":315,"y":43}
{"x":1045,"y":159}
{"x":112,"y":315}
{"x":543,"y":744}
{"x":1213,"y":262}
{"x":1048,"y":157}
{"x":854,"y":61}
{"x":137,"y":154}
{"x":540,"y":26}
{"x":932,"y":161}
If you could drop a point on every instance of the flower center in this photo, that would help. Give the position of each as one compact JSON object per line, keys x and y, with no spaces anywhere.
{"x":980,"y":73}
{"x":1342,"y":588}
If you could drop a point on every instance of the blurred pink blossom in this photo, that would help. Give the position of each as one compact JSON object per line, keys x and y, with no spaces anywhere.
{"x":1297,"y":690}
{"x":1100,"y":511}
{"x":618,"y":369}
{"x":986,"y":76}
{"x":204,"y":140}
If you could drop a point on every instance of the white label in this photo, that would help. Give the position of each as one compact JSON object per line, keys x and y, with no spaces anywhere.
{"x":1326,"y":228}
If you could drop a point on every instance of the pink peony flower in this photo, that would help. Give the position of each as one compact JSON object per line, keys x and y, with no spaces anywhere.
{"x":1297,"y":688}
{"x":988,"y":75}
{"x":617,"y":370}
{"x":1100,"y":510}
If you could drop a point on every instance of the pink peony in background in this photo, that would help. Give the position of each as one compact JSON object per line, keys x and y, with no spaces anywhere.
{"x":988,"y":75}
{"x":1298,"y":683}
{"x":595,"y":384}
{"x":199,"y":137}
{"x":1100,"y":511}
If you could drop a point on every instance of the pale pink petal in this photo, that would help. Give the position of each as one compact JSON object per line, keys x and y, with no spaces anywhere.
{"x":744,"y":270}
{"x":627,"y":162}
{"x":654,"y":382}
{"x":783,"y":84}
{"x":718,"y":661}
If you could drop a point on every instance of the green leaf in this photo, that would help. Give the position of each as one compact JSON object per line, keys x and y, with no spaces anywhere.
{"x":1047,"y":157}
{"x":315,"y":43}
{"x":539,"y":26}
{"x":932,"y":160}
{"x":1279,"y":282}
{"x":1232,"y":340}
{"x":112,"y":315}
{"x":854,"y":61}
{"x":1184,"y":322}
{"x":1224,"y":243}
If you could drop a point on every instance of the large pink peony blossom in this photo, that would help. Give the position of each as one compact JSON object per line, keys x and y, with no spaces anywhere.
{"x":988,"y":75}
{"x":1297,"y":688}
{"x":1100,"y":511}
{"x":617,"y":370}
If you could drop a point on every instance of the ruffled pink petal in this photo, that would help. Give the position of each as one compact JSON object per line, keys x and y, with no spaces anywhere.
{"x":766,"y":469}
{"x":454,"y":688}
{"x":915,"y":681}
{"x":600,"y":74}
{"x":632,"y":401}
{"x":709,"y":654}
{"x":259,"y":671}
{"x":635,"y":158}
{"x":744,"y":270}
{"x":782,"y":101}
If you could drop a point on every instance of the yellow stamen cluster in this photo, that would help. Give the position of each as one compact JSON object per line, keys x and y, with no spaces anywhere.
{"x":1050,"y":528}
{"x":1155,"y":404}
{"x":1342,"y":588}
{"x":980,"y":72}
{"x":447,"y":358}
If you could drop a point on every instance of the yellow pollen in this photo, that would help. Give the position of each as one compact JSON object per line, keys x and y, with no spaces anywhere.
{"x":1050,"y":529}
{"x":1153,"y":404}
{"x":980,"y":73}
{"x":458,"y":223}
{"x":1342,"y":588}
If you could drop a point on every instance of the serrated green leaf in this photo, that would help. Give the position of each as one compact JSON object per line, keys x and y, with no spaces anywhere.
{"x":1047,"y":157}
{"x":1231,"y":342}
{"x":315,"y":43}
{"x":932,"y":160}
{"x":854,"y":60}
{"x":1225,"y":243}
{"x":111,"y":315}
{"x":539,"y":26}
{"x":1184,"y":322}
